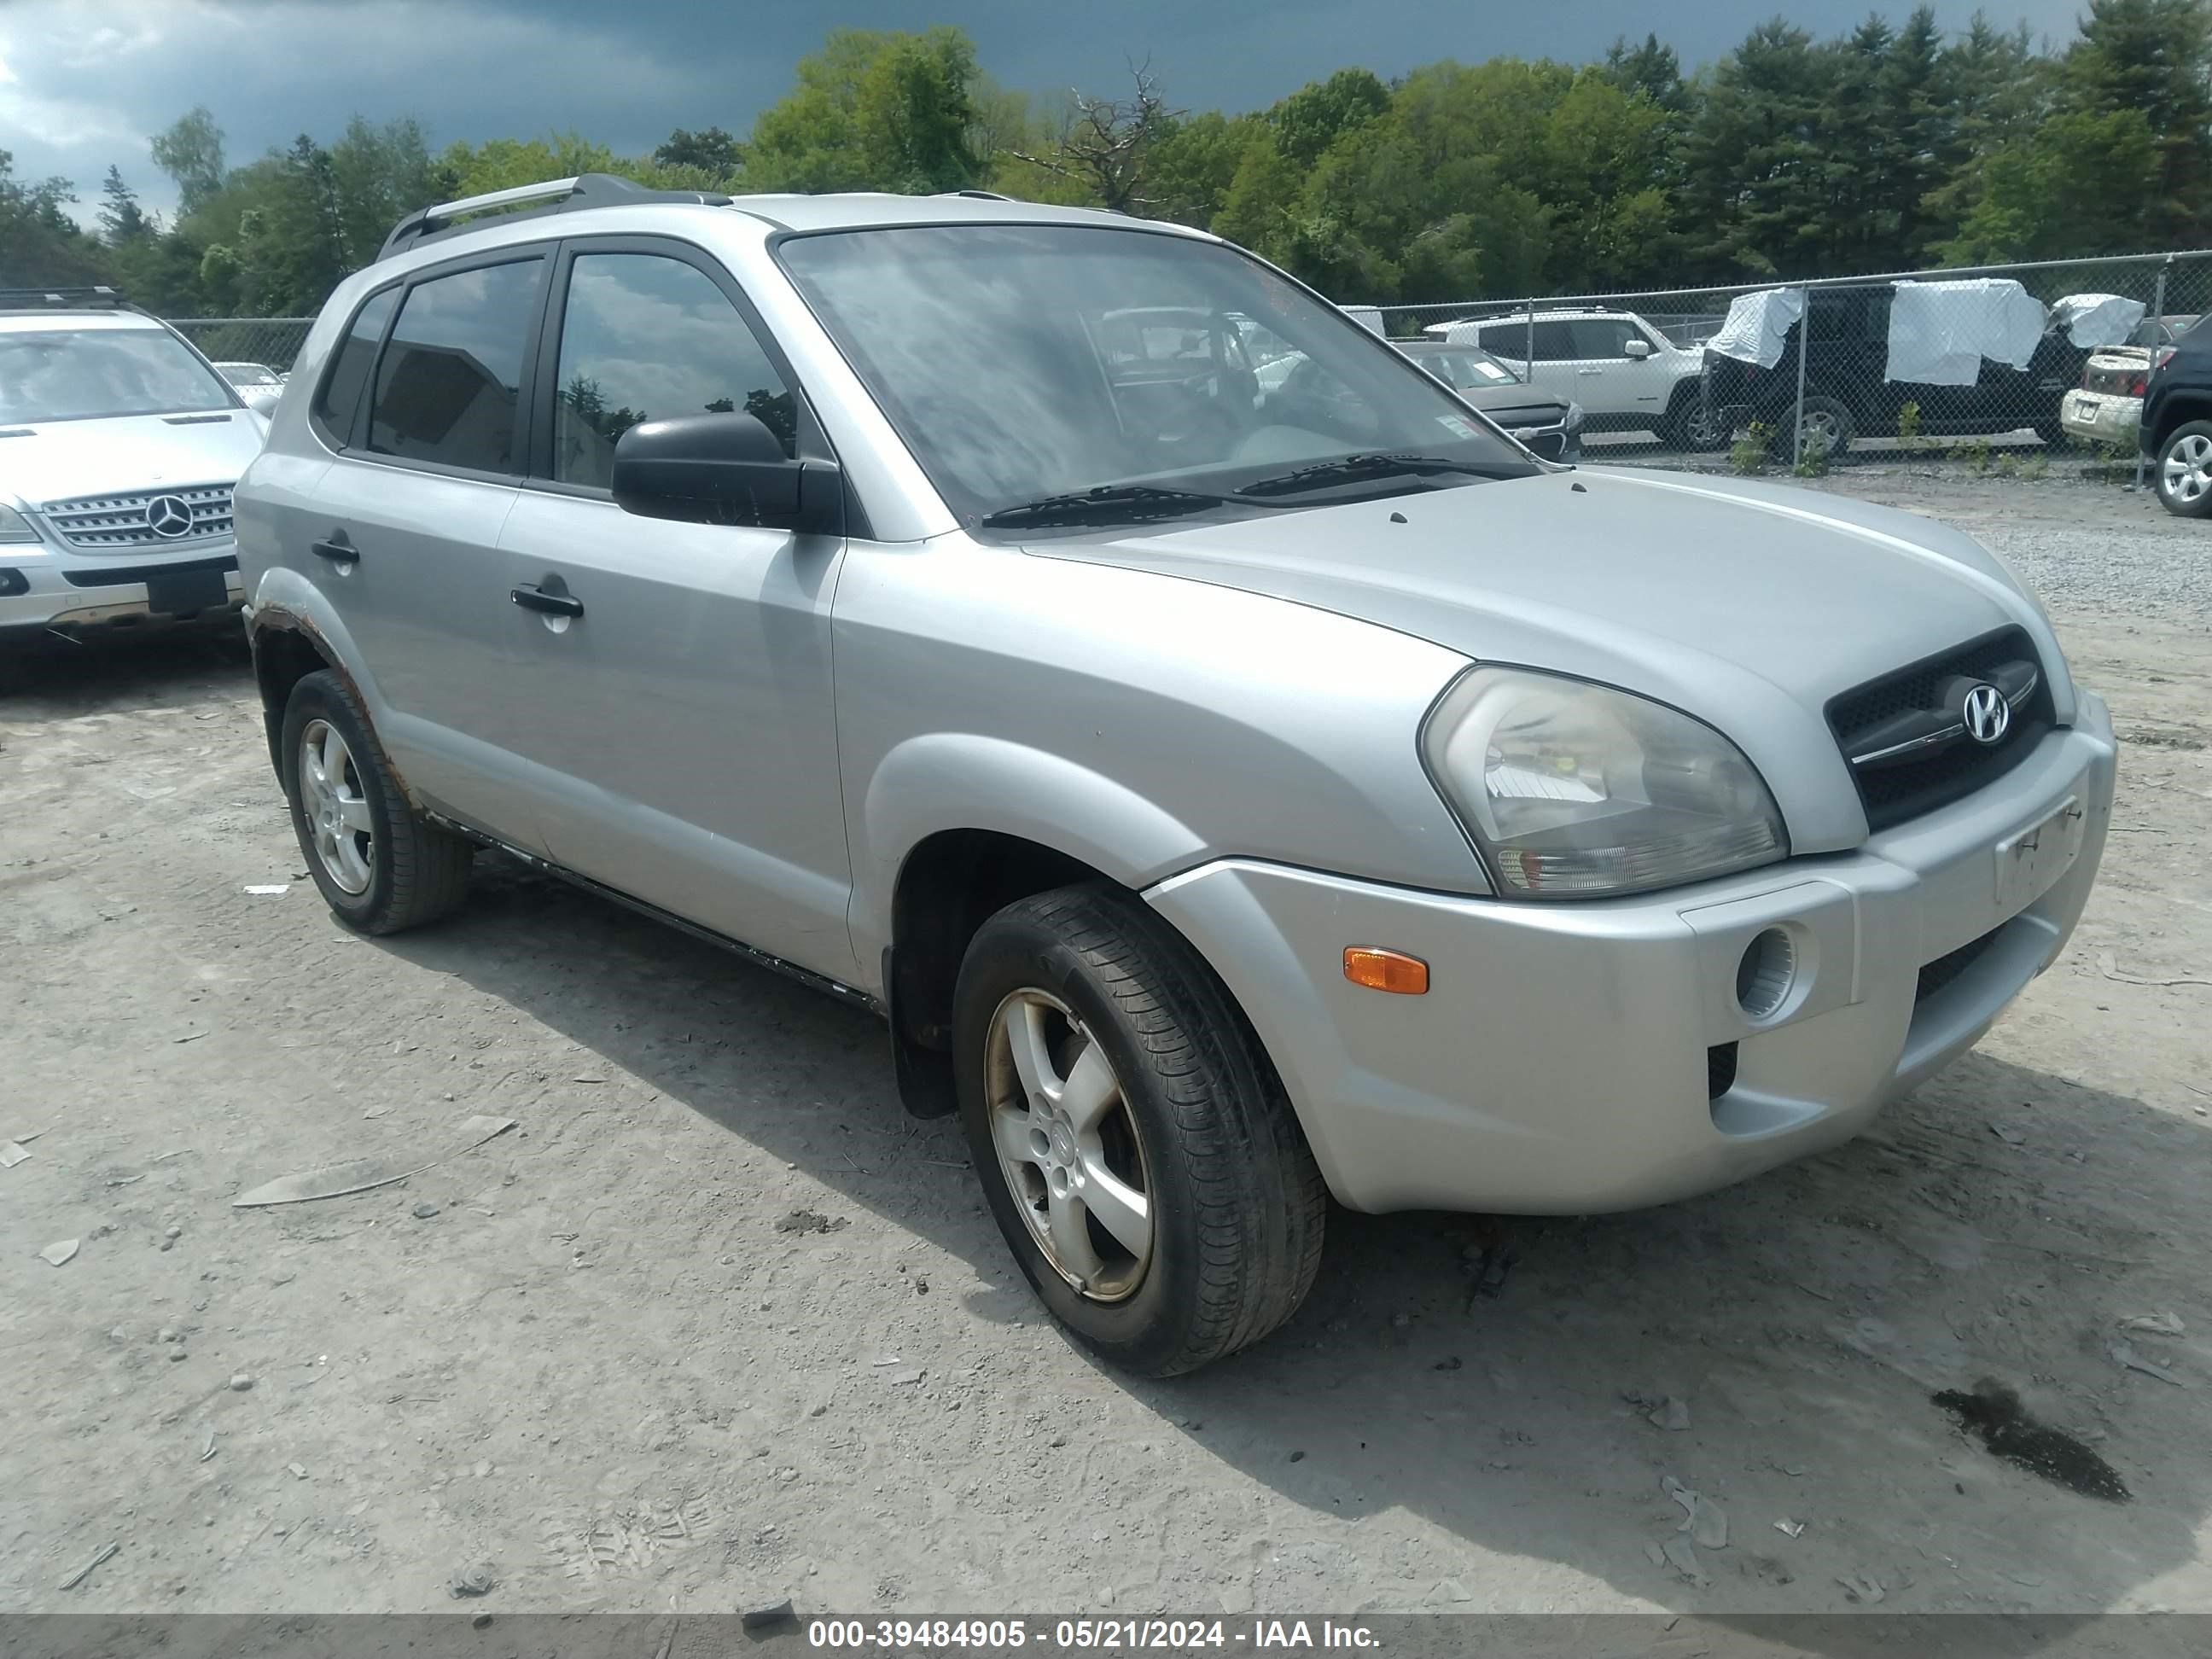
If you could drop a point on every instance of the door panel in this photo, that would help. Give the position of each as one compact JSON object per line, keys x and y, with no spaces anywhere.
{"x":405,"y":539}
{"x":426,"y":603}
{"x":683,"y":735}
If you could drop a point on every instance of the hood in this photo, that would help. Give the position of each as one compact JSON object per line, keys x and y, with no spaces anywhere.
{"x":1747,"y":604}
{"x":64,"y":460}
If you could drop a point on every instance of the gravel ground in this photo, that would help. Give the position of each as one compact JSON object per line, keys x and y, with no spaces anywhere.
{"x":586,"y":1358}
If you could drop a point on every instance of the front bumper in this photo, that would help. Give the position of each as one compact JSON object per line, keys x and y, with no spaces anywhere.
{"x":1568,"y":1057}
{"x":75,"y":596}
{"x":2100,"y":417}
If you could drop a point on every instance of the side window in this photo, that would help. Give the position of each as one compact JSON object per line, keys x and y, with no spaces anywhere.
{"x":451,"y":376}
{"x":1555,"y":342}
{"x":645,"y":338}
{"x":339,"y":401}
{"x":1602,"y":336}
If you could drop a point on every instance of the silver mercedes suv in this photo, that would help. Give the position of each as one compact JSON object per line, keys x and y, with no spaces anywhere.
{"x":1230,"y":795}
{"x":120,"y":445}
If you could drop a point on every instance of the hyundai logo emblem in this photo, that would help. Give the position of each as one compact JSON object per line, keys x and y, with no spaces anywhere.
{"x":1988,"y":715}
{"x":167,"y":516}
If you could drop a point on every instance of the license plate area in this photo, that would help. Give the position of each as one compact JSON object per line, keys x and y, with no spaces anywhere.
{"x":2029,"y":861}
{"x":179,"y":593}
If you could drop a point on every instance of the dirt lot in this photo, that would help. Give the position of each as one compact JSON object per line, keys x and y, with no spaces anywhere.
{"x":599,"y":1369}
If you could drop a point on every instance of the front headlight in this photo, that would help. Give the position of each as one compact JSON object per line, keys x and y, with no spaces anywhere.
{"x":1571,"y":789}
{"x":13,"y":527}
{"x":1574,"y":417}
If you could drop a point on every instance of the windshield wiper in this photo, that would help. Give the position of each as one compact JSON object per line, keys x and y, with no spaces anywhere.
{"x":1108,"y":504}
{"x":1379,"y":465}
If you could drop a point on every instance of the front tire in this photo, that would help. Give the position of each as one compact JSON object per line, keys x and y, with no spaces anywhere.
{"x":1822,"y":419}
{"x":2184,"y":471}
{"x":1697,"y":428}
{"x":381,"y":868}
{"x":1136,"y":1147}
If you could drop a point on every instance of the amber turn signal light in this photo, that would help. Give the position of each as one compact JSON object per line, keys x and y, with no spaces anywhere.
{"x":1386,"y":970}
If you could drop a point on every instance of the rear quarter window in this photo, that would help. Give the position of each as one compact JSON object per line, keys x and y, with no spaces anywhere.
{"x":337,"y":404}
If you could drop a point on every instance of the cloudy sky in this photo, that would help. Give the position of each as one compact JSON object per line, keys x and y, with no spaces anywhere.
{"x":83,"y":81}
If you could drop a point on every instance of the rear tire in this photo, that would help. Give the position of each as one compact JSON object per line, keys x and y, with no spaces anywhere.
{"x":379,"y":867}
{"x":2184,"y":471}
{"x":1110,"y":1005}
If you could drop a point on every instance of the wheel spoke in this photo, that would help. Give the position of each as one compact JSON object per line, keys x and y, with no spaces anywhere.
{"x":350,"y":861}
{"x":353,"y":812}
{"x":1122,"y":1210}
{"x":1025,"y":1036}
{"x":1010,"y":1134}
{"x":1089,"y":1090}
{"x":1071,"y":1237}
{"x":333,"y":757}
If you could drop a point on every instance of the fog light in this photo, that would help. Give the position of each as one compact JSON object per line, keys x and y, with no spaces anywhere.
{"x":13,"y":583}
{"x":1764,"y":977}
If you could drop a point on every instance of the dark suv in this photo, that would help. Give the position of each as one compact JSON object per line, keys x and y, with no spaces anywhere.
{"x":2176,"y":420}
{"x":1848,"y":395}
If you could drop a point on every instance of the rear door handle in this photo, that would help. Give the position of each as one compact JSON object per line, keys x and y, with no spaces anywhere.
{"x":338,"y":549}
{"x":531,"y":597}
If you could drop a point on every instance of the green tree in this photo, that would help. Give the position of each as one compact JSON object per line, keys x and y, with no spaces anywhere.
{"x":712,"y":151}
{"x":189,"y":150}
{"x":121,"y":219}
{"x":1320,"y":113}
{"x":39,"y":242}
{"x":2154,"y":56}
{"x":873,"y":110}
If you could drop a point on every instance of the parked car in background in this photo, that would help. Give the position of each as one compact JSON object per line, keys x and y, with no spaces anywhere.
{"x":1848,"y":393}
{"x":1552,"y":429}
{"x":1229,"y":797}
{"x":2176,"y":427}
{"x":1623,"y":373}
{"x":2107,"y":406}
{"x":260,"y":384}
{"x":120,"y":445}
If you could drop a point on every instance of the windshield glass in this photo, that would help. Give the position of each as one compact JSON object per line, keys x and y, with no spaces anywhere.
{"x":77,"y":374}
{"x":1468,"y":367}
{"x":1025,"y":363}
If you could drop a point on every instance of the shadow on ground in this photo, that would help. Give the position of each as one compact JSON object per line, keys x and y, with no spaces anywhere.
{"x":1804,"y":1320}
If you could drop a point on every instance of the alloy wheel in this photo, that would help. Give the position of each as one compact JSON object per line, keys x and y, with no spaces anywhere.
{"x":1069,"y":1148}
{"x":2187,"y":468}
{"x":336,"y":810}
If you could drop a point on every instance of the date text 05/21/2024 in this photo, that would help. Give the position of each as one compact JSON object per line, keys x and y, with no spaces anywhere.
{"x":987,"y":1636}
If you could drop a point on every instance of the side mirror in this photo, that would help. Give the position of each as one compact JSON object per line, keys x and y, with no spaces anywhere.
{"x":723,"y":468}
{"x":1638,"y":348}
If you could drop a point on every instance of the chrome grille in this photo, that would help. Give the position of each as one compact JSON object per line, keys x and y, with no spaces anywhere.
{"x":97,"y":523}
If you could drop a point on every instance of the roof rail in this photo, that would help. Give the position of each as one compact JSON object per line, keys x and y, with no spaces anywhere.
{"x":979,"y":194}
{"x":585,"y":190}
{"x":96,"y":297}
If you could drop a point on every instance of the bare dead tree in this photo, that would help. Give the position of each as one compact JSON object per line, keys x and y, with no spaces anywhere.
{"x":1107,"y":142}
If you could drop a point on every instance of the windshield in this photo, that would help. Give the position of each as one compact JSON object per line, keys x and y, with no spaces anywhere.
{"x":78,"y":374}
{"x":1030,"y":363}
{"x":246,"y":374}
{"x":1468,"y":367}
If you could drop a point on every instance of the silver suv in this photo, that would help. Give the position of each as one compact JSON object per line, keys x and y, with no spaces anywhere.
{"x":119,"y":447}
{"x":1229,"y":797}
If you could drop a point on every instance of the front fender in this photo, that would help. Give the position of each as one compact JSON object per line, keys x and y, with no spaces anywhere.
{"x":943,"y":780}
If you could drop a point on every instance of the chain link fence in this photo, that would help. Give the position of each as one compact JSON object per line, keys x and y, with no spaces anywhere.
{"x":274,"y":343}
{"x":1997,"y":368}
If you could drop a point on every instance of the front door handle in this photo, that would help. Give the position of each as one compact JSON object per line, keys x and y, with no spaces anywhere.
{"x":338,"y":549}
{"x":531,"y":596}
